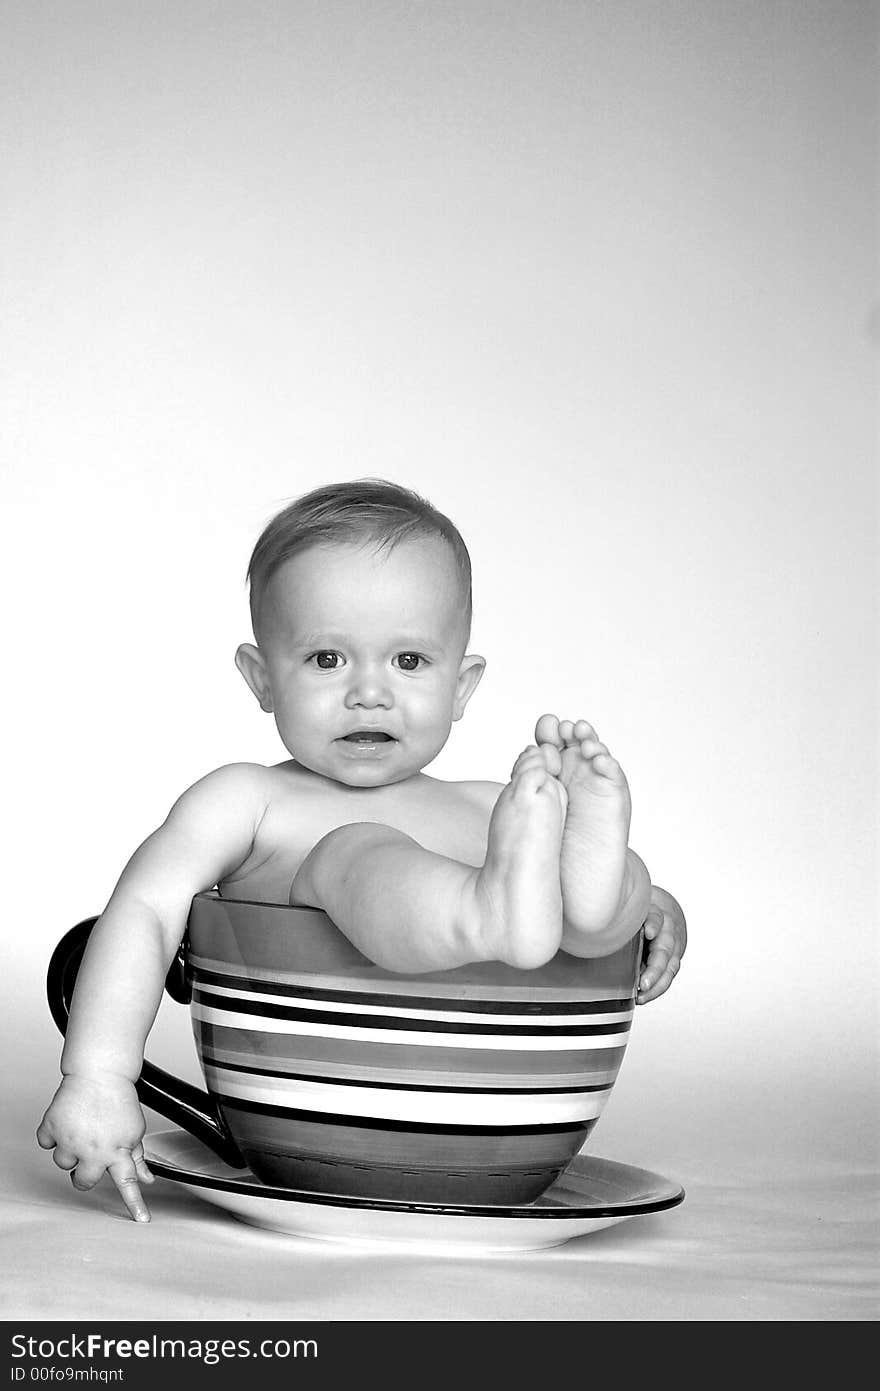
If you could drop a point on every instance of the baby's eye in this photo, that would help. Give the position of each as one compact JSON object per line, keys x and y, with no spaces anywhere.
{"x":409,"y":661}
{"x":326,"y":661}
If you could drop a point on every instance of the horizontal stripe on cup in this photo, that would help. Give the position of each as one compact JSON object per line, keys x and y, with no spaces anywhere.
{"x":404,"y":1081}
{"x":386,"y":1123}
{"x":373,"y":980}
{"x":392,"y":1103}
{"x":378,"y":1003}
{"x":307,"y":1153}
{"x":415,"y":1182}
{"x":246,"y":1045}
{"x":266,"y":1009}
{"x":353,"y":1005}
{"x":361,"y":1031}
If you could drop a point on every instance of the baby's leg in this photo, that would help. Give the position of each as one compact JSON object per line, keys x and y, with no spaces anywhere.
{"x":603,"y":883}
{"x":411,"y":910}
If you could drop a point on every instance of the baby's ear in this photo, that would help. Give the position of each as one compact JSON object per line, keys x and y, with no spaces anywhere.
{"x":250,"y":662}
{"x":469,"y":675}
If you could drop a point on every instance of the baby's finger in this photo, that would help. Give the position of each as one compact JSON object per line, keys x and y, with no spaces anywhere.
{"x":662,"y":942}
{"x":144,"y":1172}
{"x":653,"y":923}
{"x":86,"y":1175}
{"x":64,"y":1158}
{"x":45,"y":1136}
{"x":658,"y":960}
{"x":648,"y":992}
{"x":124,"y":1175}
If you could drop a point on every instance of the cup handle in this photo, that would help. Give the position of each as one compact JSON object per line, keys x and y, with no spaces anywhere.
{"x":188,"y":1106}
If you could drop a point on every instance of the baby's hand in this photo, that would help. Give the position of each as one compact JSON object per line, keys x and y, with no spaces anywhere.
{"x":666,"y":934}
{"x":95,"y":1124}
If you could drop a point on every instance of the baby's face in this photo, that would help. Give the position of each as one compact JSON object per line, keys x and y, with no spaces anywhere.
{"x":362,"y":655}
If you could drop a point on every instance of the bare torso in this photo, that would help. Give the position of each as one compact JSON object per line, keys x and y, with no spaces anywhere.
{"x":448,"y":818}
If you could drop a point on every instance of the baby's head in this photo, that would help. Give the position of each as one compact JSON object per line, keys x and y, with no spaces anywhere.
{"x":360,"y":599}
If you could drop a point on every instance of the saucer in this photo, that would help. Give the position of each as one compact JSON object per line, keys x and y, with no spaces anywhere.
{"x":592,"y":1194}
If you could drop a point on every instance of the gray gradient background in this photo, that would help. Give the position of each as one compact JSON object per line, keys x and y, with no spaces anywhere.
{"x":599,"y":279}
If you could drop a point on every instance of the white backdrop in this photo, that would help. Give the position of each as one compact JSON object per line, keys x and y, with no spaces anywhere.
{"x":598,"y":280}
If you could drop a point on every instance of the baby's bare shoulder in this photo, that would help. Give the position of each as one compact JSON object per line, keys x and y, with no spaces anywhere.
{"x":235,"y":777}
{"x":246,"y":787}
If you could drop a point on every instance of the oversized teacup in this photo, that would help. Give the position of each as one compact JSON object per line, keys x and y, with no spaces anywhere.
{"x":328,"y":1073}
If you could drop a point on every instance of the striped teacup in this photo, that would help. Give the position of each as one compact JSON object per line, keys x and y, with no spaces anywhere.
{"x":475,"y":1085}
{"x":330,"y":1074}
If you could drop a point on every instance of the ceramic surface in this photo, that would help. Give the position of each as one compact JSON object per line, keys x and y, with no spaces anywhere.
{"x":593,"y":1194}
{"x":478,"y":1084}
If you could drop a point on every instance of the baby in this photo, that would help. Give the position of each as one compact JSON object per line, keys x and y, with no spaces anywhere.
{"x":361,"y":605}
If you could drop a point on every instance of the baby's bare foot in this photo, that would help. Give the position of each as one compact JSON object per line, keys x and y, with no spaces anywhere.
{"x":517,"y":897}
{"x":594,"y":841}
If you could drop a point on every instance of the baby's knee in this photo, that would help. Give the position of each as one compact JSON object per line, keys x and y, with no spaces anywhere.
{"x":340,"y":849}
{"x":336,"y":856}
{"x":355,"y":837}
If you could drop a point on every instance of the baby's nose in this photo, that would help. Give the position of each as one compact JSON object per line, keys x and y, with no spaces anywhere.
{"x":369,"y":687}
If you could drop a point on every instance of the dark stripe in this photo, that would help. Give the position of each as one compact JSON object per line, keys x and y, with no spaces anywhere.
{"x":404,"y":1086}
{"x":235,"y":1103}
{"x":430,"y":1026}
{"x":448,"y":1057}
{"x":366,"y":997}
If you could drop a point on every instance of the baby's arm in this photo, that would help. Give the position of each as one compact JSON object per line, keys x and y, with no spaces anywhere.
{"x":95,"y":1123}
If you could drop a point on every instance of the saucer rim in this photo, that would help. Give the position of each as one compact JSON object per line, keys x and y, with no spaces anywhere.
{"x":250,"y":1187}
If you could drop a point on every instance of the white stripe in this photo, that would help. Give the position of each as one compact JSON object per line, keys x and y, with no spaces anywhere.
{"x":256,"y":1023}
{"x":537,"y":1021}
{"x":441,"y":1108}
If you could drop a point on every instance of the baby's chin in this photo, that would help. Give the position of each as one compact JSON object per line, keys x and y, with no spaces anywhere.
{"x":358,"y":774}
{"x":377,"y":780}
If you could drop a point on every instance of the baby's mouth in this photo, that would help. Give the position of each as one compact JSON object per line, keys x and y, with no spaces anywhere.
{"x":367,"y":736}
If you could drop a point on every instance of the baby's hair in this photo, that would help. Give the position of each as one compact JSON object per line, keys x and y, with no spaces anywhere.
{"x":360,"y":512}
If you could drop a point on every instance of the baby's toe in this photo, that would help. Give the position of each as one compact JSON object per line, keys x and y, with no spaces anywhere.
{"x":530,"y":779}
{"x":547,"y":731}
{"x":584,"y":730}
{"x":531,"y":757}
{"x":608,"y":767}
{"x":589,"y":748}
{"x":552,"y":759}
